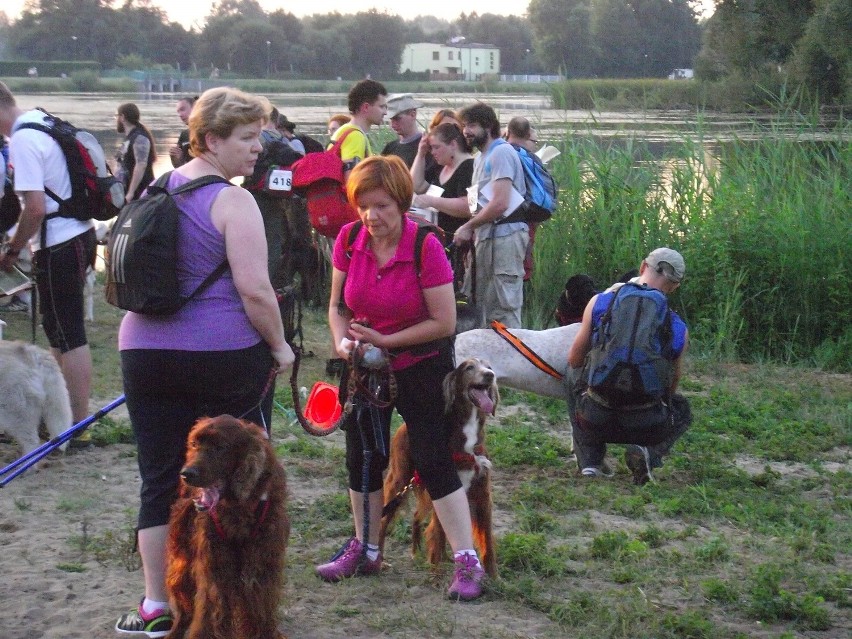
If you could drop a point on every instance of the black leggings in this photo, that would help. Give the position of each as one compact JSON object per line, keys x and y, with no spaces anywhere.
{"x":420,"y":403}
{"x":168,"y":391}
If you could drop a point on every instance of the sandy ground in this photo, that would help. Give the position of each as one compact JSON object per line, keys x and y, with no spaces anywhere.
{"x":52,"y":589}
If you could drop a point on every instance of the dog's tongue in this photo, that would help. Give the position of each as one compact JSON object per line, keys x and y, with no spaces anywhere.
{"x":480,"y":397}
{"x":207,"y":498}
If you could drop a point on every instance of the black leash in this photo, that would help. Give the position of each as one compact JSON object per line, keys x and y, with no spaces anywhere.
{"x":270,"y":383}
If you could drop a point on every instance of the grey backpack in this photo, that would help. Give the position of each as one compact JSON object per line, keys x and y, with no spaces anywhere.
{"x":630,"y":362}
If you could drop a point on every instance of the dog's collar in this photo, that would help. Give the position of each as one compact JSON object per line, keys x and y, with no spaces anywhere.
{"x":465,"y":461}
{"x":260,"y":513}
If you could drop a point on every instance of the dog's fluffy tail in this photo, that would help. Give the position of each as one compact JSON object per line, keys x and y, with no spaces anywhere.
{"x":56,"y":413}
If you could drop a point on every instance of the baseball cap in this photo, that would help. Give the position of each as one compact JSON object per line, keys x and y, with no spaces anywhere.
{"x":667,"y":262}
{"x":401,"y":102}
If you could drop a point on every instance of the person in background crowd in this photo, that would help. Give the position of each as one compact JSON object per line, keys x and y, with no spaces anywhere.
{"x":336,"y":121}
{"x":63,"y":248}
{"x":218,"y":353}
{"x":520,"y":134}
{"x":432,"y":168}
{"x":137,"y":155}
{"x":500,"y":244}
{"x":444,"y":115}
{"x":287,"y":129}
{"x":446,"y":144}
{"x":391,"y":307}
{"x":179,"y":153}
{"x":402,"y":112}
{"x":368,"y":104}
{"x":272,"y":209}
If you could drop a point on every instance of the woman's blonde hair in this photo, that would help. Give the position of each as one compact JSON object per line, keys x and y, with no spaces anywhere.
{"x":386,"y":172}
{"x":219,"y":111}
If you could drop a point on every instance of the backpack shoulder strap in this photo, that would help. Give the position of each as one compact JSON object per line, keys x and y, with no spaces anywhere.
{"x":348,"y":241}
{"x":197,"y":183}
{"x":422,"y":233}
{"x":351,"y":237}
{"x":338,"y":143}
{"x":54,"y":134}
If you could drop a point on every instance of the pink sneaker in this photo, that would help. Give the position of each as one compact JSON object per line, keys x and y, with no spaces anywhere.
{"x":467,"y":579}
{"x":346,"y":563}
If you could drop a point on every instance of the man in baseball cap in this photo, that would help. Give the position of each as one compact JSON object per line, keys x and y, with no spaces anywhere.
{"x":625,"y":367}
{"x":667,"y":262}
{"x":402,"y":112}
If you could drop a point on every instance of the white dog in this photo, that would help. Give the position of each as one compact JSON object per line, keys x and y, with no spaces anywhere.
{"x":32,"y":390}
{"x":513,"y":369}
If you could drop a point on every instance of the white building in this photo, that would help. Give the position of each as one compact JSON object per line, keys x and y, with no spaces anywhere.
{"x":455,"y":61}
{"x":682,"y":74}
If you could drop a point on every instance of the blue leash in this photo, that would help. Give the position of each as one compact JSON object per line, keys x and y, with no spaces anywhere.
{"x":27,"y":461}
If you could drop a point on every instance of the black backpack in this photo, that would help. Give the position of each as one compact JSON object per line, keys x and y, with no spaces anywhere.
{"x":141,"y":261}
{"x":630,"y":360}
{"x":272,"y":173}
{"x":95,"y":192}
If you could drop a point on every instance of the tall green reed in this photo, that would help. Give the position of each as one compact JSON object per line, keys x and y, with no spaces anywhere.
{"x":764,"y":225}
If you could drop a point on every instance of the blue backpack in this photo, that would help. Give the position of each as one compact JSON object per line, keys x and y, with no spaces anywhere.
{"x":542,"y":193}
{"x":630,"y":362}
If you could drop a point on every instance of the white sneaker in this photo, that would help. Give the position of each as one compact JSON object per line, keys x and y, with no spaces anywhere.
{"x":596,"y":471}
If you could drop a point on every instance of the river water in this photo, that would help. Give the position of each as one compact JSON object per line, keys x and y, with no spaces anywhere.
{"x":95,"y":112}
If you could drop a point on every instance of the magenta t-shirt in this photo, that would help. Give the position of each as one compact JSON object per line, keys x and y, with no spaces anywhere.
{"x":390,"y":298}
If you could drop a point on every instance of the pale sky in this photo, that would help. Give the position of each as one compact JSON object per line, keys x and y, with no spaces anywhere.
{"x":188,"y":11}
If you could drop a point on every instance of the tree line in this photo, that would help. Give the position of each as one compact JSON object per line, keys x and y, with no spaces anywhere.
{"x":241,"y":37}
{"x":807,"y":42}
{"x":798,"y":43}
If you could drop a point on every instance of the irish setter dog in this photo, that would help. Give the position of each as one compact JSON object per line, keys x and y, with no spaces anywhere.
{"x":470,"y":396}
{"x":228,"y":535}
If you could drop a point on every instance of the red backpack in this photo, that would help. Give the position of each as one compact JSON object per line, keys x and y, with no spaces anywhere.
{"x":320,"y":178}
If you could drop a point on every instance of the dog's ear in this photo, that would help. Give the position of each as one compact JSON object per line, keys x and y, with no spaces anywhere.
{"x":449,"y":390}
{"x":248,"y":473}
{"x":494,"y":393}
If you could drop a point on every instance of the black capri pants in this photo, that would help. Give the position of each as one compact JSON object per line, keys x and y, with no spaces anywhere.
{"x":420,"y":402}
{"x":168,"y":391}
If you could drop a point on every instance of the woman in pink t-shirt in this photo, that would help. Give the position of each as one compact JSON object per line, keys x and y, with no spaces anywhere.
{"x":393,"y":307}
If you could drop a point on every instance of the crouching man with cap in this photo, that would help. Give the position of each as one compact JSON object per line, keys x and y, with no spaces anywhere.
{"x":625,"y":364}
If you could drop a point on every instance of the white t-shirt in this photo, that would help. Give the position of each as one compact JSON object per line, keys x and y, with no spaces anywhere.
{"x":39,"y":163}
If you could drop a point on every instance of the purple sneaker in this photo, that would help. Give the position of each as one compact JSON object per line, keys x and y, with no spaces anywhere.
{"x":467,"y":579}
{"x":346,"y":563}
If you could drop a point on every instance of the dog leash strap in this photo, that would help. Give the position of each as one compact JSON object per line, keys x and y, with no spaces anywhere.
{"x":270,"y":381}
{"x":534,"y":358}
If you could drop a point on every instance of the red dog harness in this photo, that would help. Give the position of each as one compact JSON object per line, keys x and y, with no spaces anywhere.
{"x":260,"y":514}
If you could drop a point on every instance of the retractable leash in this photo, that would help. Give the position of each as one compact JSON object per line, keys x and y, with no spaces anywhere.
{"x":375,"y":361}
{"x":30,"y":459}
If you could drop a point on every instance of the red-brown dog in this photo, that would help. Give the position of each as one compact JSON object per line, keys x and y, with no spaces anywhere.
{"x":228,"y":535}
{"x":470,"y":396}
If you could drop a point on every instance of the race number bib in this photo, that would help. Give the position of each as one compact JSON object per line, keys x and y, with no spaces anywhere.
{"x":473,"y":198}
{"x":280,"y":180}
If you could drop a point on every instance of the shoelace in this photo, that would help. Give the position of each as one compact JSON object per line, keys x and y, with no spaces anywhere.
{"x":465,"y":566}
